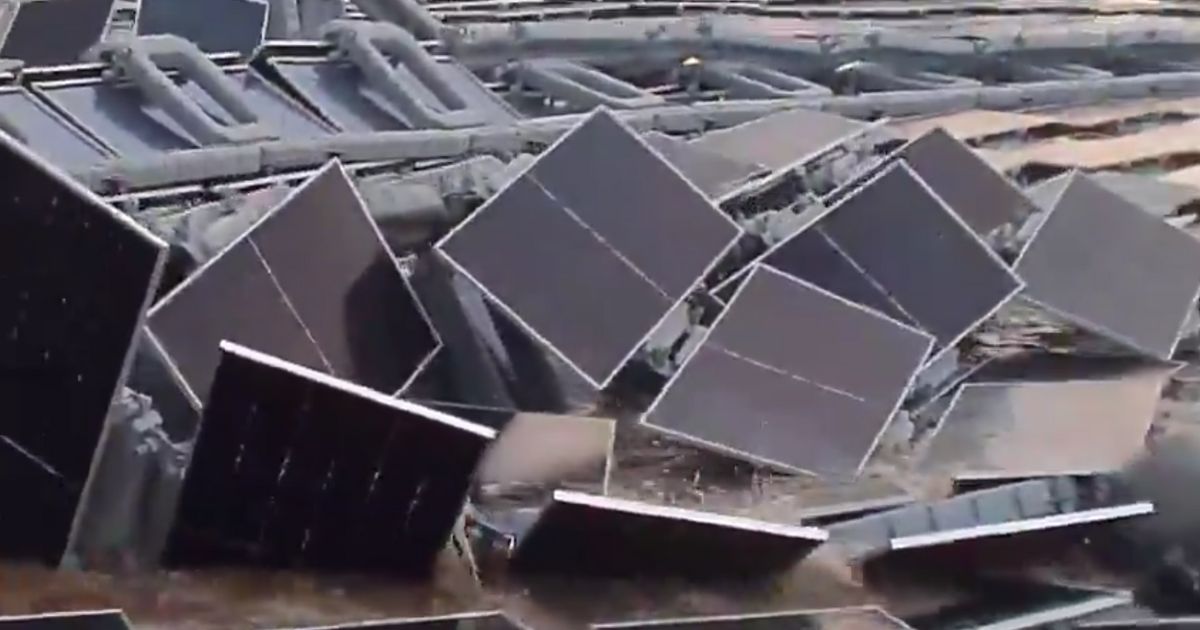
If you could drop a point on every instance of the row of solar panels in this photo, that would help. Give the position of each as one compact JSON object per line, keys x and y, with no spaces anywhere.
{"x":896,"y":265}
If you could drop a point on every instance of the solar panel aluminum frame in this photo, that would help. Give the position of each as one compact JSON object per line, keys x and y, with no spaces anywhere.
{"x":173,"y":368}
{"x":127,"y":364}
{"x":816,"y":217}
{"x":262,"y":35}
{"x":388,"y":624}
{"x":783,"y":616}
{"x":644,"y":420}
{"x":18,"y":621}
{"x":1104,"y":600}
{"x":970,"y":475}
{"x":1083,"y":322}
{"x":696,"y":284}
{"x":1041,"y":523}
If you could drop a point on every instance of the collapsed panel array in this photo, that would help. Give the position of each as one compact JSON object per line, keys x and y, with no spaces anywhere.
{"x":293,"y":468}
{"x":792,"y":376}
{"x":592,"y":245}
{"x":313,"y":283}
{"x":76,"y":277}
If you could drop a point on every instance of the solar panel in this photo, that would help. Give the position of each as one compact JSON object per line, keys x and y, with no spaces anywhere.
{"x":592,"y":246}
{"x":1045,"y":427}
{"x":764,"y":386}
{"x":469,"y":621}
{"x":241,"y":27}
{"x":781,"y":140}
{"x":294,"y":468}
{"x":55,"y":32}
{"x":855,"y":618}
{"x":581,"y":533}
{"x":98,"y":620}
{"x":984,"y":198}
{"x":909,"y":248}
{"x":313,"y":283}
{"x":39,"y":127}
{"x":77,"y":278}
{"x":711,"y":172}
{"x":1102,"y":263}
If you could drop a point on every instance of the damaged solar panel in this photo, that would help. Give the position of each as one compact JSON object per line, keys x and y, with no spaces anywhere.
{"x":895,"y":247}
{"x":294,"y":468}
{"x":1100,"y":262}
{"x":578,"y":533}
{"x":80,"y":620}
{"x":56,"y":32}
{"x":313,"y":283}
{"x":608,"y":262}
{"x":761,"y":386}
{"x":781,"y":140}
{"x":710,"y":171}
{"x":1046,"y":427}
{"x":77,"y":279}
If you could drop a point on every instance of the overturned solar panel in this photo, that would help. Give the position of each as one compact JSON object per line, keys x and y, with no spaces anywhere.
{"x":82,"y":620}
{"x":764,"y":386}
{"x":241,"y":27}
{"x":38,"y":126}
{"x":711,"y":172}
{"x":467,"y":621}
{"x":1046,"y":427}
{"x":781,"y":140}
{"x":587,"y":534}
{"x":78,"y":277}
{"x":294,"y":468}
{"x":853,"y":618}
{"x":1009,"y":604}
{"x":895,"y":247}
{"x":55,"y":32}
{"x":1103,"y":264}
{"x":593,"y":245}
{"x":313,"y":283}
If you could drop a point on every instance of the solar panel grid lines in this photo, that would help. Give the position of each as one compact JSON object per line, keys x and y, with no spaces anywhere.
{"x":312,"y":281}
{"x":70,"y":329}
{"x":591,"y":255}
{"x":1140,"y":300}
{"x":293,"y":467}
{"x":874,"y":400}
